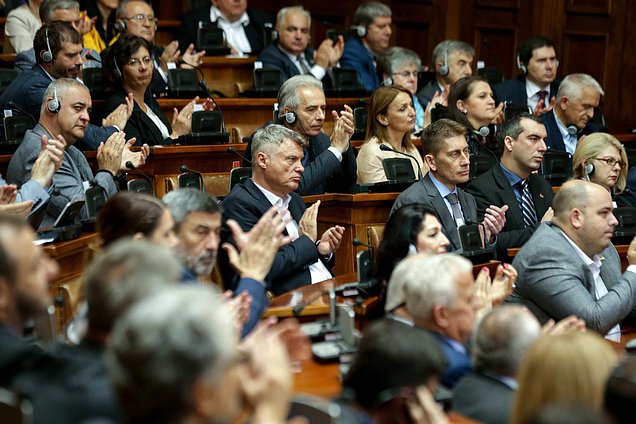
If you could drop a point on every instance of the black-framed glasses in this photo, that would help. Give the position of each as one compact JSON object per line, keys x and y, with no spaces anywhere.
{"x":140,"y":17}
{"x":612,"y":162}
{"x":147,"y":60}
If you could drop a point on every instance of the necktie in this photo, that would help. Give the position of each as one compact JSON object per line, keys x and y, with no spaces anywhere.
{"x":542,"y":95}
{"x":457,"y":211}
{"x":527,"y":205}
{"x":303,"y":65}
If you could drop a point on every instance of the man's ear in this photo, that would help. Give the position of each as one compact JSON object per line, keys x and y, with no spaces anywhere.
{"x":261,"y":160}
{"x":508,"y":142}
{"x":577,"y":219}
{"x":430,"y":161}
{"x":563,"y":103}
{"x":440,"y":316}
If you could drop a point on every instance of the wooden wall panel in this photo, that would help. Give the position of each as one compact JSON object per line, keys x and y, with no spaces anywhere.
{"x":585,"y":54}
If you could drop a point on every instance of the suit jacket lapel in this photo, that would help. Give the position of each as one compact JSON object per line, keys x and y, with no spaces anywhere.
{"x":539,"y":197}
{"x":447,"y":221}
{"x":508,"y":196}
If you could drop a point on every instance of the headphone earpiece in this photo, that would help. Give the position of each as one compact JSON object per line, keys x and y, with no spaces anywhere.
{"x":443,"y":70}
{"x":117,"y":71}
{"x":275,"y":35}
{"x":360,"y":30}
{"x":120,"y":25}
{"x":290,"y":117}
{"x":47,"y":55}
{"x":589,"y":169}
{"x":521,"y":66}
{"x":387,"y":82}
{"x":54,"y":105}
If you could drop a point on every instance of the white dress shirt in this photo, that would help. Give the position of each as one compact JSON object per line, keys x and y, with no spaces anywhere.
{"x":234,"y":31}
{"x":532,"y":92}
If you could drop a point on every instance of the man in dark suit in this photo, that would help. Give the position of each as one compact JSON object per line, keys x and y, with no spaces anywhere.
{"x":291,"y":53}
{"x":453,"y":60}
{"x":440,"y":296}
{"x":244,"y":28}
{"x":512,"y":182}
{"x":570,"y":267}
{"x":136,"y":17}
{"x":446,"y":153}
{"x":499,"y":342}
{"x":329,"y":162}
{"x":25,"y":274}
{"x":571,"y":117}
{"x":372,"y":21}
{"x":537,"y":85}
{"x":58,"y":48}
{"x":276,"y":174}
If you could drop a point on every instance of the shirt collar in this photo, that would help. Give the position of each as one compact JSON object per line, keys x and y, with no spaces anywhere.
{"x":532,"y":89}
{"x":443,"y":190}
{"x":216,"y":14}
{"x":293,"y":57}
{"x":562,"y":128}
{"x":596,"y":260}
{"x":513,"y":178}
{"x":274,"y":199}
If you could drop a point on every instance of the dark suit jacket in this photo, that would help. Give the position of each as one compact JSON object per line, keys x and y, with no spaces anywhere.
{"x":158,"y":86}
{"x":274,"y":58}
{"x":483,"y":398}
{"x":555,"y":139}
{"x":424,"y":192}
{"x":458,"y":363}
{"x":356,"y":56}
{"x":426,"y":93}
{"x":324,"y":174}
{"x":493,"y":188}
{"x":139,"y":124}
{"x":255,"y":30}
{"x":17,"y":356}
{"x":246,"y":204}
{"x":25,"y":95}
{"x":554,"y":282}
{"x":514,"y":90}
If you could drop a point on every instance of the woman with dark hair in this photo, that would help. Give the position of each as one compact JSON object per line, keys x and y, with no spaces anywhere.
{"x":471,"y":103}
{"x":390,"y":121}
{"x":136,"y":215}
{"x":410,"y":229}
{"x":127,"y":68}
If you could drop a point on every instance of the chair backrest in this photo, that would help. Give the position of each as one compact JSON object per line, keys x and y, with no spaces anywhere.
{"x":556,"y":167}
{"x":268,"y":79}
{"x":207,"y":121}
{"x":480,"y":164}
{"x":6,"y":77}
{"x":345,"y":79}
{"x":360,"y":120}
{"x":239,"y":175}
{"x":16,"y":126}
{"x":212,"y":40}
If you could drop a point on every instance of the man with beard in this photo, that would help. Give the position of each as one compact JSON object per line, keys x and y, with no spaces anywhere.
{"x":197,"y":219}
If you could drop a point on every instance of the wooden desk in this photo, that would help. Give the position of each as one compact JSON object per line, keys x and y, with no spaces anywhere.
{"x":72,"y":257}
{"x":355,"y":212}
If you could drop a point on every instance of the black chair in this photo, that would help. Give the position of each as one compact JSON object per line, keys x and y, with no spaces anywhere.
{"x":556,"y":167}
{"x":424,"y":77}
{"x":212,"y":40}
{"x":190,"y":180}
{"x":140,"y":185}
{"x":511,"y":110}
{"x":492,"y":75}
{"x":480,"y":164}
{"x":239,"y":175}
{"x":631,"y":157}
{"x":14,"y":129}
{"x":626,"y":228}
{"x":360,"y":120}
{"x":345,"y":83}
{"x":398,"y":169}
{"x":207,"y":122}
{"x":93,"y":80}
{"x":6,"y":77}
{"x":268,"y":79}
{"x":439,"y":112}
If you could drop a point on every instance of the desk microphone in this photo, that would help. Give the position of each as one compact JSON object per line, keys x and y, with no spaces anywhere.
{"x":233,"y":151}
{"x":386,"y":148}
{"x":207,"y":90}
{"x":130,"y":165}
{"x":184,"y":169}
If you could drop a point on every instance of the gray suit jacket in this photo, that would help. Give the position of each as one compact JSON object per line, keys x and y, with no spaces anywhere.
{"x":483,"y":398}
{"x":424,"y":192}
{"x":68,"y":180}
{"x":554,"y":282}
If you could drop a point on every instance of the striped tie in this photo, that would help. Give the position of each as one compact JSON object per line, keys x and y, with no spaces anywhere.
{"x":303,"y":64}
{"x":527,"y":205}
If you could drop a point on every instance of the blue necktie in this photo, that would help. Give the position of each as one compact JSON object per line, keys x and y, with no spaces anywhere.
{"x":527,"y":205}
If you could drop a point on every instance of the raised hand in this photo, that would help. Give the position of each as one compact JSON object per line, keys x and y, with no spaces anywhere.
{"x":137,"y":158}
{"x":343,"y":129}
{"x":49,"y":160}
{"x":330,"y":240}
{"x":182,"y":121}
{"x":121,"y":114}
{"x":543,"y":108}
{"x":308,"y":225}
{"x":191,"y":58}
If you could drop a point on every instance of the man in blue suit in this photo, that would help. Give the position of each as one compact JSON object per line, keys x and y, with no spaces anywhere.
{"x":537,"y":85}
{"x":571,"y":117}
{"x":442,"y":301}
{"x":291,"y":53}
{"x":373,"y":27}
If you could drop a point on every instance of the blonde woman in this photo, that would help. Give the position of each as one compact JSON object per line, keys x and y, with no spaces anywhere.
{"x":601,"y":159}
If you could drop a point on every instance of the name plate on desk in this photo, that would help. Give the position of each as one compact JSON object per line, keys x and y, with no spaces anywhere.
{"x":204,"y":139}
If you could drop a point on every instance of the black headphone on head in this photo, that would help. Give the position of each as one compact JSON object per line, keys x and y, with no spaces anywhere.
{"x":47,"y":55}
{"x":54,"y":105}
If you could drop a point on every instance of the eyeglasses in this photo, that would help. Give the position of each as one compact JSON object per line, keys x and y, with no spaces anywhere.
{"x":407,"y":74}
{"x":140,"y":17}
{"x":612,"y":162}
{"x":136,"y":62}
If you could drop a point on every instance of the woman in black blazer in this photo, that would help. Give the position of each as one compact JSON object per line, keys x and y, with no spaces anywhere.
{"x":127,"y":68}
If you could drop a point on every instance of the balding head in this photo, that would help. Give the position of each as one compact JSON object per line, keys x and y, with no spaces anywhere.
{"x":502,"y":337}
{"x":583,"y":211}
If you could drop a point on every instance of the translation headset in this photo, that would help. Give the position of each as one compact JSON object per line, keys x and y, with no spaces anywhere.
{"x":443,"y":70}
{"x":360,"y":30}
{"x":589,"y":170}
{"x":521,"y":66}
{"x":117,"y":71}
{"x":290,"y":117}
{"x":120,"y":25}
{"x":387,"y":82}
{"x":54,"y":105}
{"x":47,"y":55}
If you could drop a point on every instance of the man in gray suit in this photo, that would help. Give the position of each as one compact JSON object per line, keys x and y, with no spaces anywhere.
{"x":570,"y":267}
{"x":447,"y":156}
